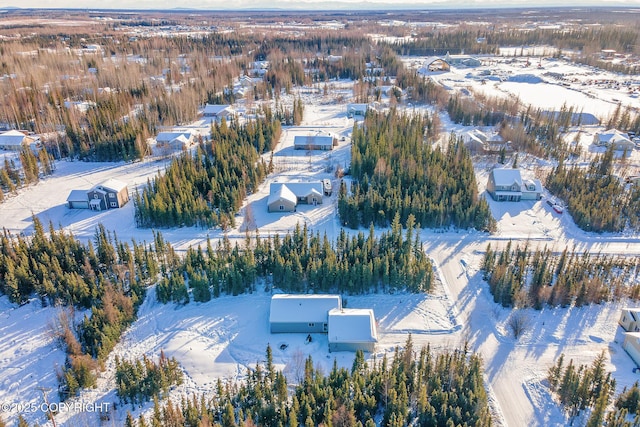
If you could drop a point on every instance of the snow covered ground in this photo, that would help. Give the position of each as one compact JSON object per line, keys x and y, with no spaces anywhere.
{"x":226,"y":336}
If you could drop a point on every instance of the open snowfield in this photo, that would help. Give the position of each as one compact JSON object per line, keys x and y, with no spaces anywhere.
{"x":226,"y":336}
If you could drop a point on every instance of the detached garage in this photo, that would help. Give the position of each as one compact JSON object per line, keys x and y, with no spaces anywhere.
{"x":352,"y":329}
{"x":631,"y":345}
{"x":301,"y":313}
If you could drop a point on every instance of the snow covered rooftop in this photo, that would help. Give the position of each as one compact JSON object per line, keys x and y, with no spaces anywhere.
{"x":297,"y":189}
{"x":302,"y":308}
{"x":280,"y":192}
{"x":506,"y":176}
{"x":352,"y":325}
{"x":113,"y":184}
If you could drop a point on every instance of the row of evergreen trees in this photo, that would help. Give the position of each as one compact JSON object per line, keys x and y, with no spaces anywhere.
{"x":396,"y":170}
{"x":207,"y":187}
{"x":142,"y":380}
{"x":302,"y":262}
{"x":106,"y":277}
{"x":413,"y":388}
{"x":596,"y":198}
{"x":522,"y":277}
{"x":32,"y":166}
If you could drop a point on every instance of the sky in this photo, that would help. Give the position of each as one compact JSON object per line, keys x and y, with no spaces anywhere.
{"x":304,"y":4}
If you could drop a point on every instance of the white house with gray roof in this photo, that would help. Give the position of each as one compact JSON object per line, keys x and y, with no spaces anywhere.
{"x":505,"y":184}
{"x":301,"y":313}
{"x":284,"y":197}
{"x":352,"y":329}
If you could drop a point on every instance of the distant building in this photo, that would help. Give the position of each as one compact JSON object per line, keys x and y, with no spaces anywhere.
{"x":462,"y":60}
{"x":631,"y":345}
{"x":301,"y":313}
{"x":284,"y":197}
{"x":613,"y":137}
{"x":313,"y":142}
{"x":435,"y":64}
{"x":507,"y":185}
{"x":352,"y":329}
{"x":357,"y":110}
{"x":216,"y":111}
{"x":15,"y":140}
{"x":175,"y":140}
{"x":111,"y":194}
{"x":630,"y":319}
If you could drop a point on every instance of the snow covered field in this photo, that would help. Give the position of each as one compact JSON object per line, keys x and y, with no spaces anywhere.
{"x":226,"y":336}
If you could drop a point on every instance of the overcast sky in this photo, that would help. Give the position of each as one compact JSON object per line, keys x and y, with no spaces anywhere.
{"x":303,"y":4}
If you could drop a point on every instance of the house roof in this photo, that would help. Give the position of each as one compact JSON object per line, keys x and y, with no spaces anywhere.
{"x":113,"y":184}
{"x":304,"y":140}
{"x":170,"y":136}
{"x":357,"y":107}
{"x":297,"y":189}
{"x":536,"y":183}
{"x":352,"y":325}
{"x":506,"y":176}
{"x":611,"y":136}
{"x":278,"y":192}
{"x":289,"y":308}
{"x":12,"y":138}
{"x":77,"y":196}
{"x":214,"y":109}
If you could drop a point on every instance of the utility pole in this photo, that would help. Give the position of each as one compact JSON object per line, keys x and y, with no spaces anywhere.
{"x":44,"y":391}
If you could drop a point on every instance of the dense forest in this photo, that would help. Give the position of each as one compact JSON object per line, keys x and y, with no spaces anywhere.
{"x":415,"y":387}
{"x":32,"y":166}
{"x":596,"y":198}
{"x":106,"y":279}
{"x":523,"y":277}
{"x":397,"y":170}
{"x":583,"y":388}
{"x":301,"y":262}
{"x":206,"y":188}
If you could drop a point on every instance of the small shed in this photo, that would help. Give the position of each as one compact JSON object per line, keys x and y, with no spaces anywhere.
{"x":631,"y":345}
{"x":78,"y":199}
{"x":281,"y":199}
{"x":630,"y":319}
{"x":313,"y":142}
{"x":301,"y":313}
{"x":352,"y":329}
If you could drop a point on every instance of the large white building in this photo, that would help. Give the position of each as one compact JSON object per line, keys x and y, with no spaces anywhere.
{"x":352,"y":329}
{"x":301,"y":313}
{"x":284,"y":197}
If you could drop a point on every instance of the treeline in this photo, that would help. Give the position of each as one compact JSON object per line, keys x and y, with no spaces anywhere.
{"x":32,"y":165}
{"x":521,"y":277}
{"x":583,"y":387}
{"x":396,"y":170}
{"x":597,"y":199}
{"x":142,"y":380}
{"x":413,"y":388}
{"x":107,"y":277}
{"x":301,"y":262}
{"x":207,"y":187}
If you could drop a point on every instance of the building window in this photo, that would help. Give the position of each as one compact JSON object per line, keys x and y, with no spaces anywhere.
{"x":112,"y":195}
{"x":114,"y":205}
{"x":95,"y":195}
{"x":281,"y":207}
{"x":311,"y":325}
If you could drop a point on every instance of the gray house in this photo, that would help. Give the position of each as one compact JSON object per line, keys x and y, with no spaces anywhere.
{"x":506,"y":184}
{"x":284,"y":197}
{"x":111,"y":194}
{"x":301,"y":313}
{"x":313,"y":142}
{"x":352,"y":329}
